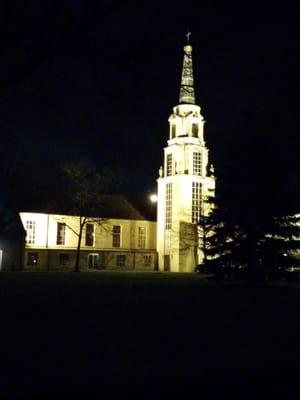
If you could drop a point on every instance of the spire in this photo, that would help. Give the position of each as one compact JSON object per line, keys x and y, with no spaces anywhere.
{"x":187,"y":92}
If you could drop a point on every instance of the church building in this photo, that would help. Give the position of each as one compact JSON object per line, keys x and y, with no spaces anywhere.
{"x":119,"y":237}
{"x":126,"y":239}
{"x":185,"y":181}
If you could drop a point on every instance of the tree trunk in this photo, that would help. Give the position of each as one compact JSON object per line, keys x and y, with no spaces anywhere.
{"x":78,"y":247}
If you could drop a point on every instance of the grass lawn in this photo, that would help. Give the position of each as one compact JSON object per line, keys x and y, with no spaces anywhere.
{"x":148,"y":333}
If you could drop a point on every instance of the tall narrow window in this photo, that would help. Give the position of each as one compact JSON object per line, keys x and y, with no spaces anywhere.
{"x":197,"y":164}
{"x":196,"y":201}
{"x":30,"y":232}
{"x":89,"y":235}
{"x":173,"y":130}
{"x":195,"y":130}
{"x":116,"y":240}
{"x":168,"y":220}
{"x":61,"y":233}
{"x":141,"y":237}
{"x":169,"y":164}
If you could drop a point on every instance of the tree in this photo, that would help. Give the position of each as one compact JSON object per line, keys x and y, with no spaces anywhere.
{"x":85,"y":196}
{"x":206,"y":223}
{"x":260,"y":245}
{"x":255,"y":209}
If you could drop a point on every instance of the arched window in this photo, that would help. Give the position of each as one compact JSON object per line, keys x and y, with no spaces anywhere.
{"x":173,"y":130}
{"x":195,"y":130}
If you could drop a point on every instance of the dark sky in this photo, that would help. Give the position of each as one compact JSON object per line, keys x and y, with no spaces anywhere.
{"x":98,"y":80}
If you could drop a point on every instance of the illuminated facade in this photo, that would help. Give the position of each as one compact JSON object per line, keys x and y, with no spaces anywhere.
{"x":184,"y":181}
{"x":121,"y":244}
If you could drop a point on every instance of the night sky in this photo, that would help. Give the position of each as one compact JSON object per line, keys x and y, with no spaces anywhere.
{"x":98,"y":80}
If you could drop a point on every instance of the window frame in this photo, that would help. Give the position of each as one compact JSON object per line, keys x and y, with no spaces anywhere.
{"x":168,"y":206}
{"x":197,"y":201}
{"x":195,"y":129}
{"x":116,"y":236}
{"x":197,"y":163}
{"x":141,"y":237}
{"x":30,"y":231}
{"x":90,"y":235}
{"x":61,"y":239}
{"x":169,"y":165}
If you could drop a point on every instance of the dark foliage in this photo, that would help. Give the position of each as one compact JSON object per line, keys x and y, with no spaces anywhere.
{"x":255,"y":207}
{"x":83,"y":194}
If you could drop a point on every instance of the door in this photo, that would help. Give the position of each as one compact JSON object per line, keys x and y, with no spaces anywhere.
{"x":93,"y":260}
{"x":167,"y":262}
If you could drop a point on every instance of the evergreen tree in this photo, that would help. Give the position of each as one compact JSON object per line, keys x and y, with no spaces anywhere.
{"x":255,"y":209}
{"x":258,"y":245}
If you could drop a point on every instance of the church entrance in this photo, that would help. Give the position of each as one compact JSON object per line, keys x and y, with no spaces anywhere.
{"x":93,"y":261}
{"x":167,"y":262}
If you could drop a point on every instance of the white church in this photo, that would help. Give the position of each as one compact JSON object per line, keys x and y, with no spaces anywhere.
{"x":184,"y":182}
{"x":127,"y":240}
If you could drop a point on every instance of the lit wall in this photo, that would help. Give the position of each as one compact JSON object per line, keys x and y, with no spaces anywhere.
{"x":46,"y":225}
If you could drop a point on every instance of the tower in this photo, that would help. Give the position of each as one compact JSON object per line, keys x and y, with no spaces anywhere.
{"x":184,"y":182}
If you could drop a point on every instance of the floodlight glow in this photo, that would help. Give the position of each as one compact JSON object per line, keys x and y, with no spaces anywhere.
{"x":153,"y":198}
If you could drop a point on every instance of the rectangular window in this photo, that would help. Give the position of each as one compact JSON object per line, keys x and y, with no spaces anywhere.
{"x":197,"y":164}
{"x":89,"y":235}
{"x":169,"y":165}
{"x":147,"y":261}
{"x":168,"y":220}
{"x":61,"y":233}
{"x":116,"y":240}
{"x":64,"y":259}
{"x":141,"y":237}
{"x":196,"y":202}
{"x":30,"y":232}
{"x":121,"y":258}
{"x":195,"y":130}
{"x":32,"y":259}
{"x":173,"y":130}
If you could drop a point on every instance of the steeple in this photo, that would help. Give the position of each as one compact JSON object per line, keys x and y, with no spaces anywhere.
{"x":184,"y":184}
{"x":187,"y":92}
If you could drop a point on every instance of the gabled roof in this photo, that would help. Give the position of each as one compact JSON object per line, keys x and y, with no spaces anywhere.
{"x":110,"y":206}
{"x":116,"y":206}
